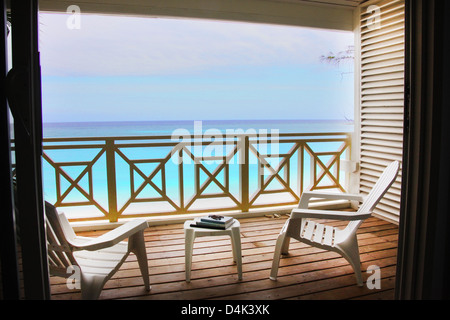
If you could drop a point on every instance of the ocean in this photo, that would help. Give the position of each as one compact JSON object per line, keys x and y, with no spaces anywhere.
{"x":149,"y":128}
{"x":131,"y":182}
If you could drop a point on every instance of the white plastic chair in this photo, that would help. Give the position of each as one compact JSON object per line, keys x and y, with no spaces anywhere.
{"x":342,"y":241}
{"x":97,"y":258}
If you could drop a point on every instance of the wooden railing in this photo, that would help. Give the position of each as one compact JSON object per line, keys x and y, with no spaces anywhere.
{"x":114,"y":177}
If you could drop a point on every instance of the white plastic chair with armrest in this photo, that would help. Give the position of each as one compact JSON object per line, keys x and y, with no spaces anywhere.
{"x":97,"y":258}
{"x":342,"y":241}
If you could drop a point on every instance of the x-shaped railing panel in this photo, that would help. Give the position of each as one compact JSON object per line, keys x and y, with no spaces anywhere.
{"x":299,"y":149}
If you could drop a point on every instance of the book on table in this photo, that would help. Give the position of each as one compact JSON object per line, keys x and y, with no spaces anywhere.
{"x":213,"y":222}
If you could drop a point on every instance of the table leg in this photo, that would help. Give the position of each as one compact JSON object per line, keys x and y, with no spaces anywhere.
{"x":188,"y":248}
{"x":237,"y":252}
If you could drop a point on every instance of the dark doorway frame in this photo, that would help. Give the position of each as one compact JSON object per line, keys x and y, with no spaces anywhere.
{"x":22,"y":88}
{"x":424,"y":231}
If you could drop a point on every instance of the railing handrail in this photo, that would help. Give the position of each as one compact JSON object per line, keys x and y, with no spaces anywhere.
{"x":191,"y":136}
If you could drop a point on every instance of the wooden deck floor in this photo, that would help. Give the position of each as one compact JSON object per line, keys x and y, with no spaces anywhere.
{"x":307,"y":273}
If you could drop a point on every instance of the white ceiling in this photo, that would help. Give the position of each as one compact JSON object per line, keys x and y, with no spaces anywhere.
{"x":329,"y":14}
{"x":345,"y":3}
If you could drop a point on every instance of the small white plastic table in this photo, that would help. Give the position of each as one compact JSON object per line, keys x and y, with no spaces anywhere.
{"x":190,"y":233}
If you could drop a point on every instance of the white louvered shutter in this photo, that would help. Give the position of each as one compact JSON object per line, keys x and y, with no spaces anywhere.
{"x":382,"y":27}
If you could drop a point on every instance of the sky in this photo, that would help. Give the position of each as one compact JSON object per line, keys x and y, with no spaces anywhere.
{"x":114,"y":68}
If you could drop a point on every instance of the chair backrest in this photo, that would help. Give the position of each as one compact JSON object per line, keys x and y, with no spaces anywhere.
{"x":380,"y":188}
{"x":59,"y":250}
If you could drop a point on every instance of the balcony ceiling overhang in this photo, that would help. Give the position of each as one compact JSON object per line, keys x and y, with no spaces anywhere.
{"x":328,"y":14}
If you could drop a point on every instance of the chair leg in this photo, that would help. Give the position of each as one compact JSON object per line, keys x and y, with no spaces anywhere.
{"x":350,"y":252}
{"x":137,"y":246}
{"x":285,"y":245}
{"x":91,"y":287}
{"x":279,"y":246}
{"x":188,"y":248}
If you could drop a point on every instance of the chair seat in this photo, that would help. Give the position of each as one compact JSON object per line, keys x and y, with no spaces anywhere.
{"x":318,"y":233}
{"x":103,"y":261}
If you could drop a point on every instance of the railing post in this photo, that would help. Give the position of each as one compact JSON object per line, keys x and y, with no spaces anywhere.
{"x":351,"y":175}
{"x":244,"y":172}
{"x":300,"y":168}
{"x":111,"y":180}
{"x":181,"y":179}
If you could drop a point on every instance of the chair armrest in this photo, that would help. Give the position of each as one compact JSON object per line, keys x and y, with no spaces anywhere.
{"x":307,"y":195}
{"x":112,"y":237}
{"x":328,"y":214}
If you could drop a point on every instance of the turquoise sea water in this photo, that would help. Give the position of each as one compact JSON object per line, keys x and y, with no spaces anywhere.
{"x":129,"y":181}
{"x":146,"y":128}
